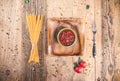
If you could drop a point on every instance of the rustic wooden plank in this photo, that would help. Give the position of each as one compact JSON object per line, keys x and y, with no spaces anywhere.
{"x":10,"y":40}
{"x":110,"y":39}
{"x":116,"y":24}
{"x":34,"y":71}
{"x":61,"y":68}
{"x":15,"y":43}
{"x":97,"y":16}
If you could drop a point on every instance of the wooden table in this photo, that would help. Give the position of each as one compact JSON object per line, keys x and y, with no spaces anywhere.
{"x":15,"y":43}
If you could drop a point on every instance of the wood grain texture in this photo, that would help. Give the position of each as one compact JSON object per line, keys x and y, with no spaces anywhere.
{"x":33,"y":71}
{"x":62,"y":68}
{"x":10,"y":40}
{"x":15,"y":43}
{"x":110,"y":39}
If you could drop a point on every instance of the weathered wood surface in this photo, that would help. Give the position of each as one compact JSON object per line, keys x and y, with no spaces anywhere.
{"x":110,"y":40}
{"x":34,"y":71}
{"x":15,"y":43}
{"x":11,"y":58}
{"x":61,"y":68}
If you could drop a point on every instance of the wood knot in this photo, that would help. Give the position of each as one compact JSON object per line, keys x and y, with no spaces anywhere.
{"x":98,"y":79}
{"x":110,"y":69}
{"x":7,"y":72}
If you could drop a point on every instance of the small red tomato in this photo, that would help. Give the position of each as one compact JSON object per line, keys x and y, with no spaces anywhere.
{"x":83,"y":64}
{"x":78,"y":69}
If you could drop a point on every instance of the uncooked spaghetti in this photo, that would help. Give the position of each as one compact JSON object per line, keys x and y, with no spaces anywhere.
{"x":34,"y":27}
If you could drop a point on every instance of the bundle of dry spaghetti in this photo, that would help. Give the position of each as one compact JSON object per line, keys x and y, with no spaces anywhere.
{"x":34,"y":27}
